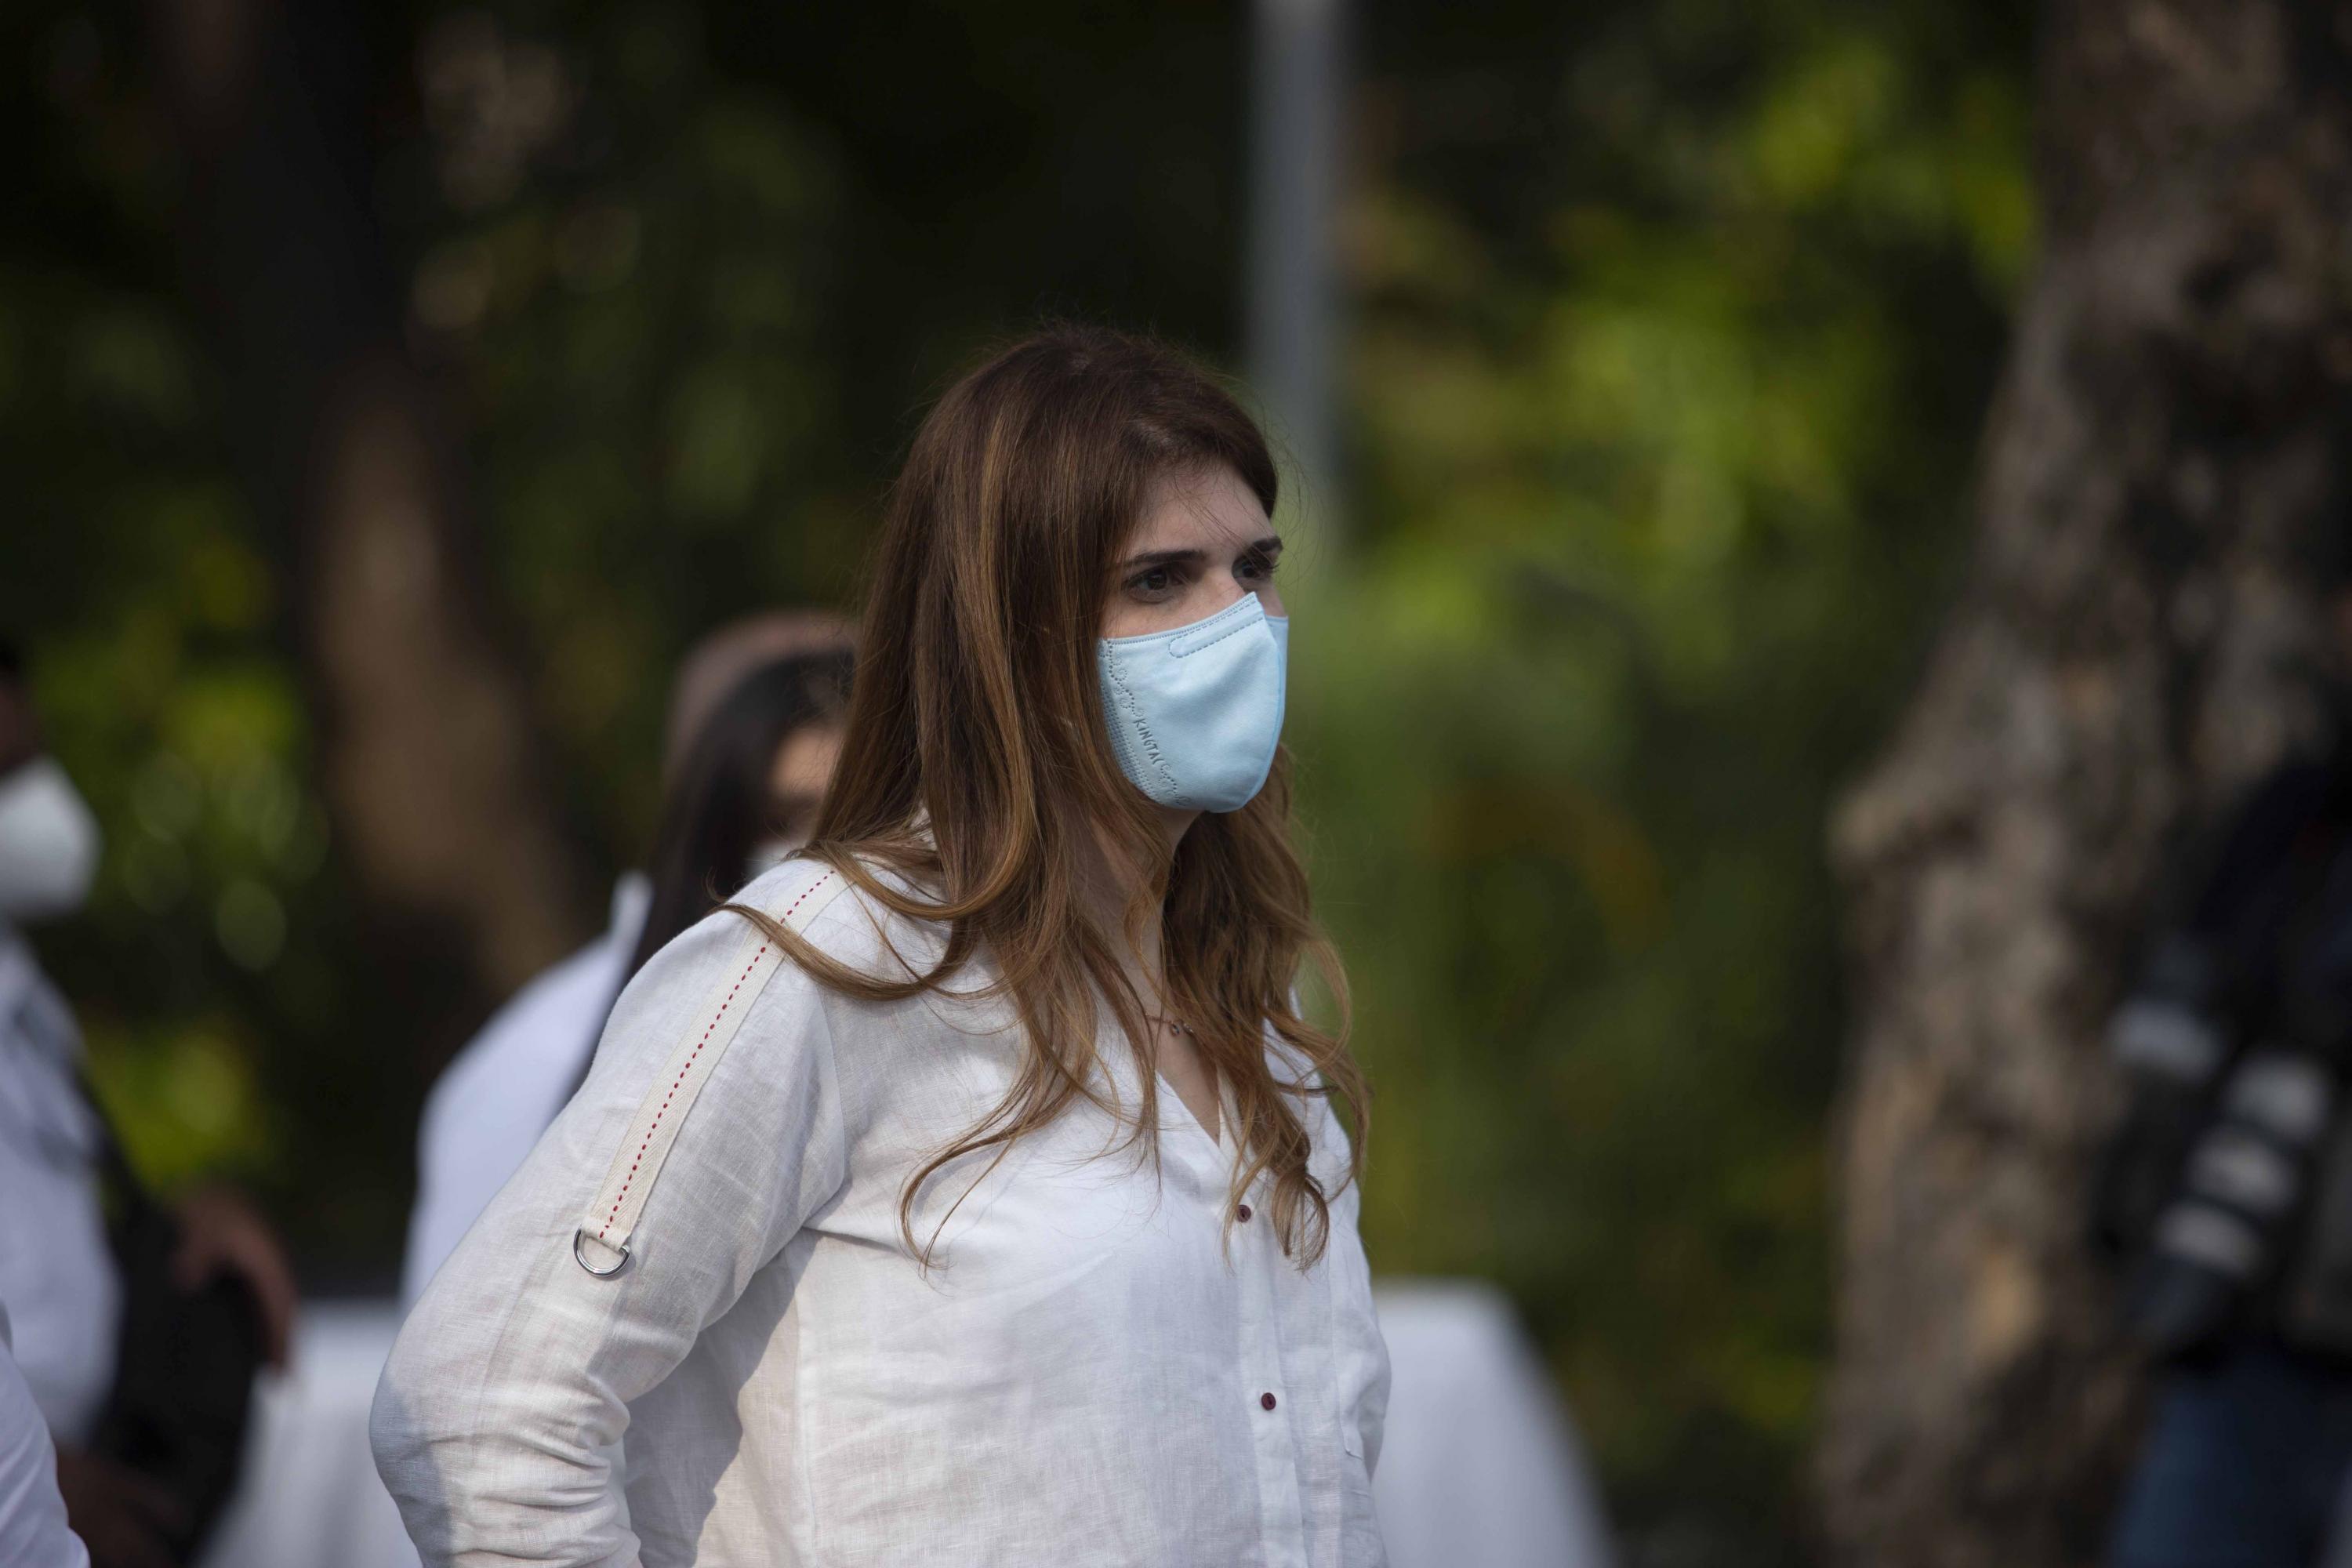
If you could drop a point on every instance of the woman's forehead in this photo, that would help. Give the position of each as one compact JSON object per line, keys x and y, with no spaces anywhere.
{"x":1207,"y":508}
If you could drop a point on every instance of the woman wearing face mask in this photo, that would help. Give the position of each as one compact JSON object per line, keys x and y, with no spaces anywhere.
{"x":748,"y":769}
{"x":969,"y":1190}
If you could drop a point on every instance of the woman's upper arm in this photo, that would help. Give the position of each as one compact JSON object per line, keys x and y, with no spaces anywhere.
{"x":511,"y":1378}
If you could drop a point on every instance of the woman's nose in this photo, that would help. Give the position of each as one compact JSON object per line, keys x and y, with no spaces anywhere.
{"x":1225,"y":591}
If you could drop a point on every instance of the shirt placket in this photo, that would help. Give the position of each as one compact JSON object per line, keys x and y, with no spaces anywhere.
{"x":1282,"y":1523}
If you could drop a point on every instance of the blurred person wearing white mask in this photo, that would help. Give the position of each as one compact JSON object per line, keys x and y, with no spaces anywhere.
{"x":754,"y":730}
{"x":64,"y":1282}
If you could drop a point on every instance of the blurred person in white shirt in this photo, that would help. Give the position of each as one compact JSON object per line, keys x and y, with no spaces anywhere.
{"x":32,"y":1528}
{"x":754,"y":732}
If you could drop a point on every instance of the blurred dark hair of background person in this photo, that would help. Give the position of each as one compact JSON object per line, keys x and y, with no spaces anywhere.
{"x":744,"y":795}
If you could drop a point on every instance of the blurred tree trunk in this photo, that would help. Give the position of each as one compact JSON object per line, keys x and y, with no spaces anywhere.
{"x":2136,"y":640}
{"x":438,"y":793}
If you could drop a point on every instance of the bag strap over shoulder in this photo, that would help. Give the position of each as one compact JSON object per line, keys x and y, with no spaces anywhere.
{"x":601,"y":1244}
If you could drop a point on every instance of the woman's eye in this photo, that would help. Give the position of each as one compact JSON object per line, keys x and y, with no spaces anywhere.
{"x":1157,"y":583}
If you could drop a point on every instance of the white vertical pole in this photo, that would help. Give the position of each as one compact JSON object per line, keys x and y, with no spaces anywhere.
{"x":1292,"y":307}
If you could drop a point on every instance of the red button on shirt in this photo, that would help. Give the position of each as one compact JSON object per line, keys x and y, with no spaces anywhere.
{"x":1267,"y":1400}
{"x":1241,"y":1213}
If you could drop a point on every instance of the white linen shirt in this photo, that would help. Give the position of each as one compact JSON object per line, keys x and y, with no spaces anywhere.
{"x":1094,"y":1370}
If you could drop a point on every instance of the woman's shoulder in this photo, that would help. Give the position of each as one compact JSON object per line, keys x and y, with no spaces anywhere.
{"x":854,"y":915}
{"x":728,"y":963}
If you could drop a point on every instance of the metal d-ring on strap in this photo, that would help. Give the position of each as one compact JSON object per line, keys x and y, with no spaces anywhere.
{"x":580,"y":1236}
{"x":637,"y":1165}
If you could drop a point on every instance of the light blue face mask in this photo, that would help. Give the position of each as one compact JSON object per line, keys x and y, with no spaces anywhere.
{"x":1194,"y":715}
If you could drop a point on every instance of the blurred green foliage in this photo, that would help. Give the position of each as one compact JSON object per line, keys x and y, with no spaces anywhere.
{"x":1667,"y":370}
{"x":1672,"y":329}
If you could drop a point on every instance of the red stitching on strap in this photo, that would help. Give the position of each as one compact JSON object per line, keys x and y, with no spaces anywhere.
{"x":622,"y":1194}
{"x":811,"y":888}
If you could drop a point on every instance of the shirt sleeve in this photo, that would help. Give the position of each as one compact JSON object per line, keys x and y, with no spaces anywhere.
{"x":499,"y":1412}
{"x":33,"y":1526}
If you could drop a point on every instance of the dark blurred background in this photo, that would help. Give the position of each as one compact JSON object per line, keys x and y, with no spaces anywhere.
{"x":389,"y":394}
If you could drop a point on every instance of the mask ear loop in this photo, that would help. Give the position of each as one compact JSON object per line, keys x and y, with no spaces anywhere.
{"x":1139,"y":743}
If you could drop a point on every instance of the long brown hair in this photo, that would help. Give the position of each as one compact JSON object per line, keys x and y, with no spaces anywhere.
{"x":977,"y":764}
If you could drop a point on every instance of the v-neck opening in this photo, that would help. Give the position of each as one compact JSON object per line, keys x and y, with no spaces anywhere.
{"x":1216,"y":1139}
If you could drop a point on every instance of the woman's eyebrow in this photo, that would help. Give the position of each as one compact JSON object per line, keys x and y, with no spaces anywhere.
{"x":1152,"y":558}
{"x":1269,"y":547}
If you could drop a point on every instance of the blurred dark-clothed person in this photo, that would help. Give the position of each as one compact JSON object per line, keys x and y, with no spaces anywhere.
{"x":754,"y":730}
{"x":137,"y":1327}
{"x":2228,"y":1189}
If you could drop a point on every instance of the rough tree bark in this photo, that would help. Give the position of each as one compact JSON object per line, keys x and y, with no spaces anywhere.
{"x":428,"y":744}
{"x":2136,"y":640}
